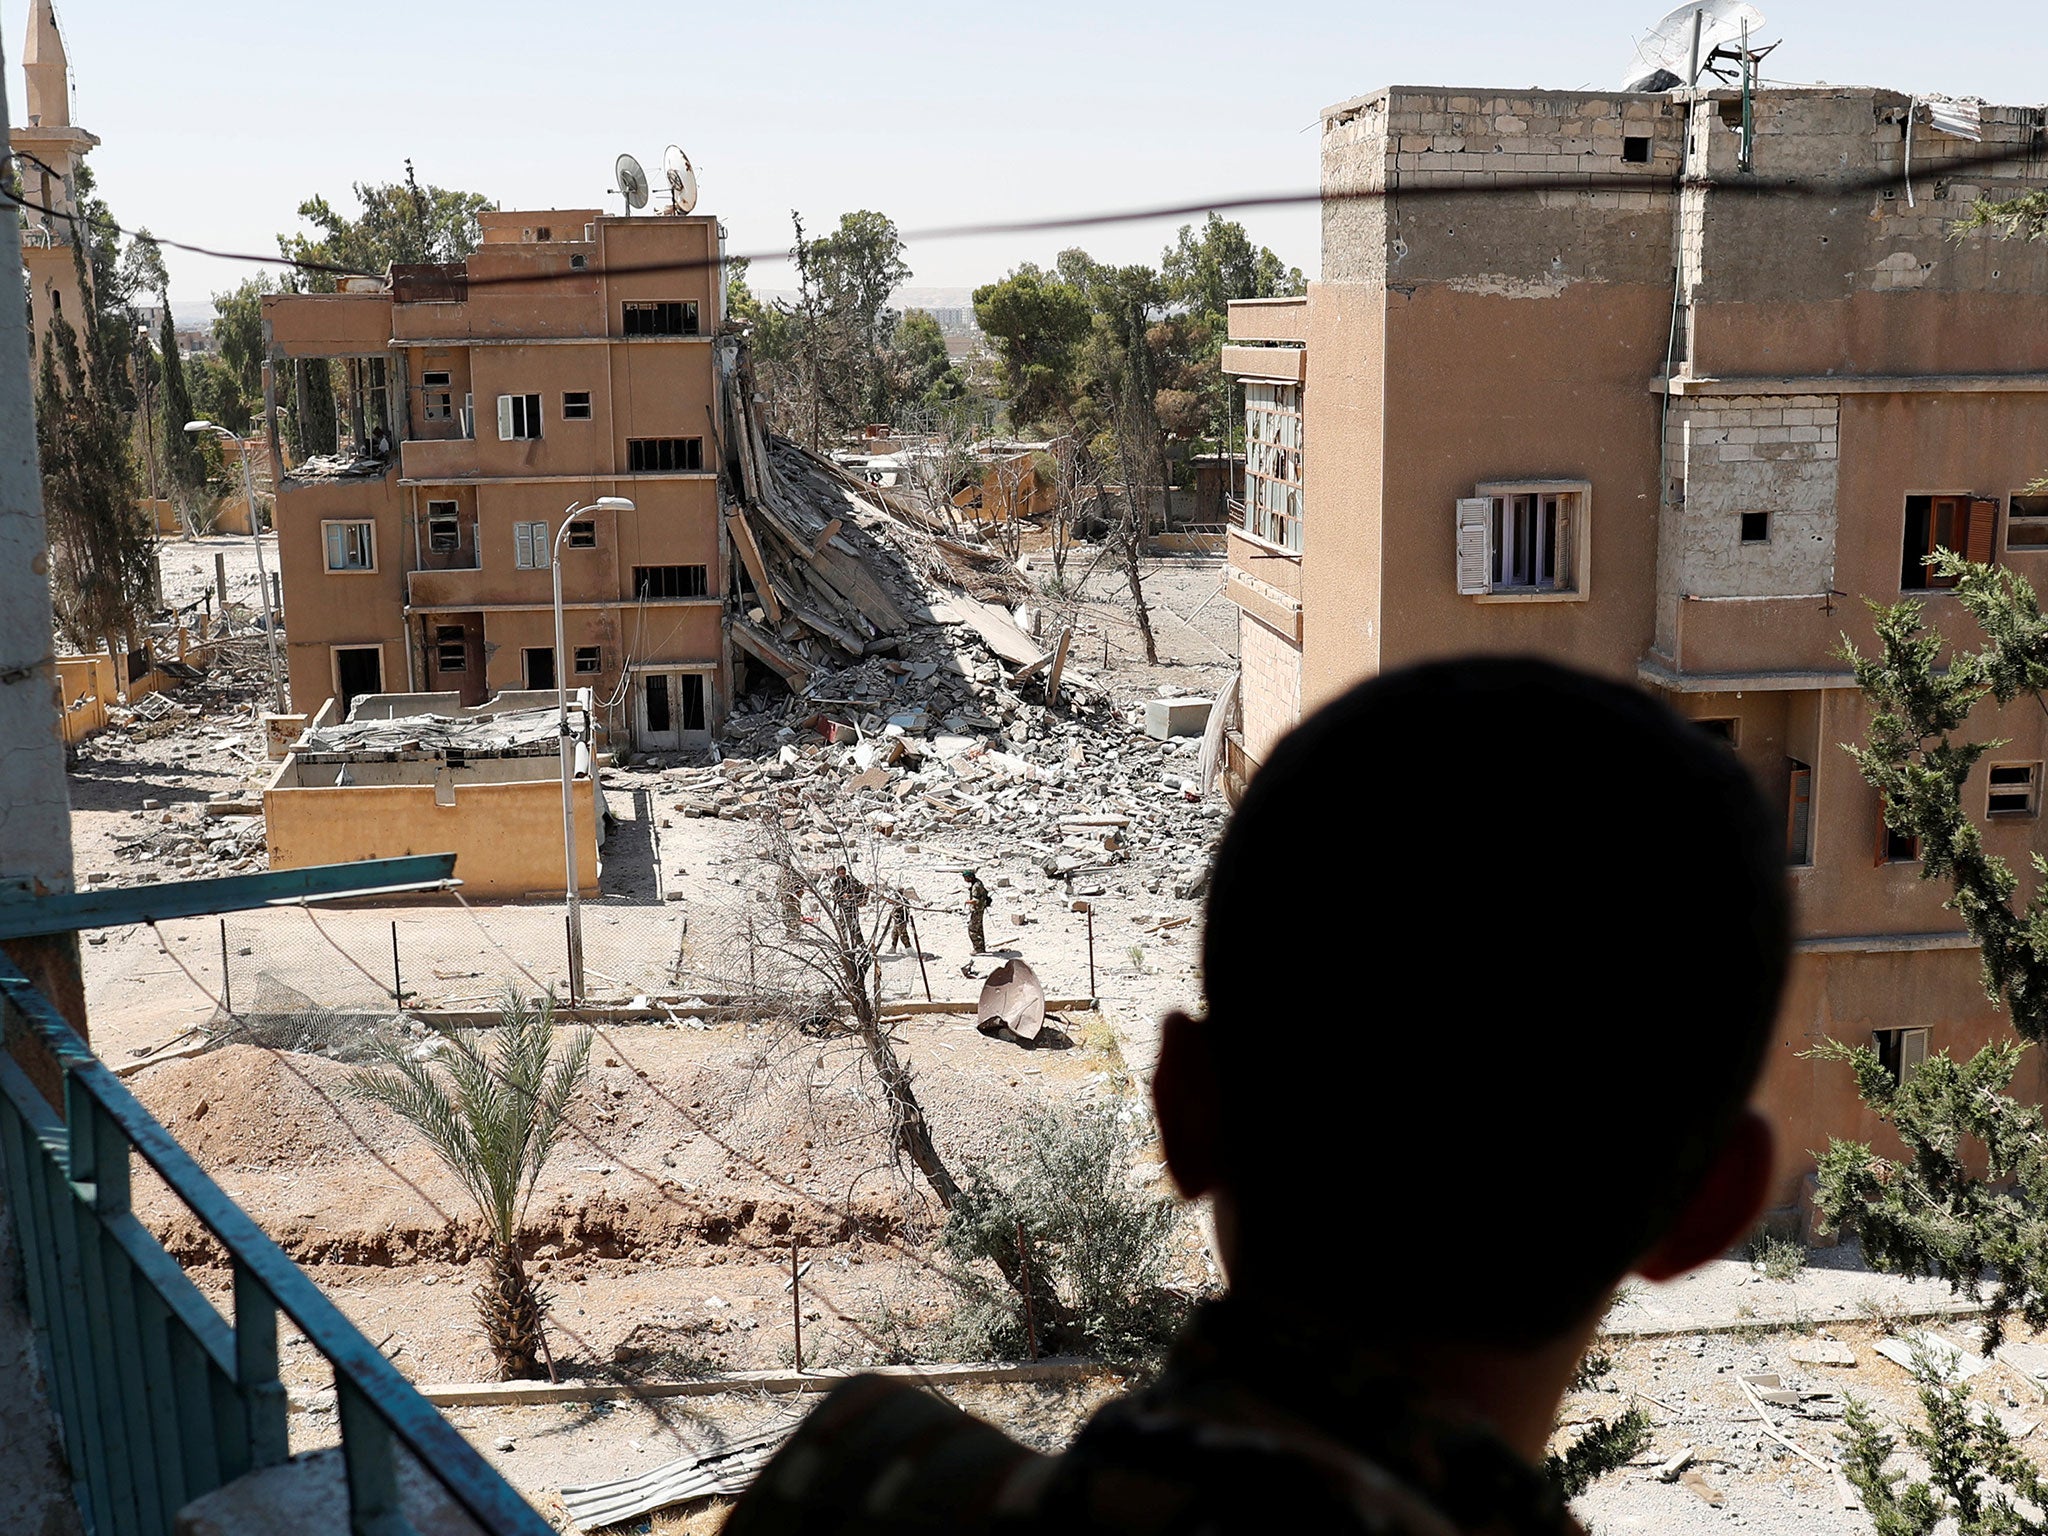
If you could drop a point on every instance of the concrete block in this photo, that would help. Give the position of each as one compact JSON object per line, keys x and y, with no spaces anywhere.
{"x":1176,"y":717}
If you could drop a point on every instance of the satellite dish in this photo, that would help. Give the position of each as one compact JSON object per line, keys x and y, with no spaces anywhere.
{"x":682,"y":179}
{"x":1666,"y":60}
{"x":632,"y":183}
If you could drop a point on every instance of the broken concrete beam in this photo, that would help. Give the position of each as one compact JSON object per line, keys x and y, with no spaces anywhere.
{"x":1166,"y":718}
{"x":222,"y":805}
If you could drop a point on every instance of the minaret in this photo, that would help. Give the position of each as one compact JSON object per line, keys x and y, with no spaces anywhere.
{"x":47,"y":150}
{"x":48,"y":70}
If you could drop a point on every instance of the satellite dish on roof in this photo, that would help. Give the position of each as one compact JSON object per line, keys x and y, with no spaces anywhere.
{"x":1686,"y":40}
{"x":632,"y":183}
{"x":682,"y":179}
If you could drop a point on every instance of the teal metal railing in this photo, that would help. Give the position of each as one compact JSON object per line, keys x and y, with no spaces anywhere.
{"x":160,"y":1399}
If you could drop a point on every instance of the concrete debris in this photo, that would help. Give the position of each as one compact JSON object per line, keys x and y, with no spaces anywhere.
{"x":1822,"y":1352}
{"x":510,"y":733}
{"x":1012,"y":1002}
{"x":1949,"y":1360}
{"x":1182,"y":716}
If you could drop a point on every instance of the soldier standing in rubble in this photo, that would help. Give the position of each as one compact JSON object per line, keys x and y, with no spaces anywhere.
{"x":849,"y":896}
{"x":899,"y":900}
{"x":977,"y":908}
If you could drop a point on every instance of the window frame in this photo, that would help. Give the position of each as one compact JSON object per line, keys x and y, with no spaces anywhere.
{"x":1742,"y":533}
{"x":2031,"y":810}
{"x":511,"y":408}
{"x":1982,"y":548}
{"x":653,"y":316}
{"x":1579,"y":550}
{"x":642,"y":584}
{"x":2032,"y":521}
{"x":1275,"y":455}
{"x":532,"y":551}
{"x":576,"y":405}
{"x":442,"y":645}
{"x":329,"y":526}
{"x":437,"y":393}
{"x":595,"y":654}
{"x":1799,"y":825}
{"x":1901,"y":1050}
{"x":639,"y":449}
{"x":453,"y":518}
{"x":582,"y":534}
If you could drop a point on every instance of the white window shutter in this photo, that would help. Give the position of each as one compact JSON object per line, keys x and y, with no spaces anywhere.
{"x":522,"y":537}
{"x":334,"y":547}
{"x":1475,"y":519}
{"x":504,"y":418}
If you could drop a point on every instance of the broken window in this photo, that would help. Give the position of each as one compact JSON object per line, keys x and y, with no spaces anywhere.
{"x":351,"y":546}
{"x":1962,"y":524}
{"x":439,"y":393}
{"x":1520,"y":541}
{"x":1901,"y":1052}
{"x":1798,"y":812}
{"x":1635,"y":149}
{"x":576,"y":405}
{"x":2015,"y":790}
{"x":1756,"y":527}
{"x":2026,"y":522}
{"x":660,"y":455}
{"x":670,"y":581}
{"x":518,"y":417}
{"x":530,"y":549}
{"x":582,"y":535}
{"x":672,"y":317}
{"x":1272,"y":456}
{"x":1894,"y":846}
{"x":444,"y":526}
{"x":540,"y":666}
{"x":578,"y":262}
{"x":589,"y":659}
{"x":1721,"y":729}
{"x":451,"y":648}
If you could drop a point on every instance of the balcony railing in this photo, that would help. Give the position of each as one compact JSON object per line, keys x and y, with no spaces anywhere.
{"x":1267,"y":526}
{"x":159,"y":1399}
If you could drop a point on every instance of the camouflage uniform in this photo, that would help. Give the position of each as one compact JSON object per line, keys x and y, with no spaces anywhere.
{"x":899,"y":920}
{"x":789,"y":892}
{"x":977,"y":906}
{"x":849,"y":895}
{"x":1247,"y":1430}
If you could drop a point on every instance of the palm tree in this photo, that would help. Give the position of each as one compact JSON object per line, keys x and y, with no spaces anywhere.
{"x":493,"y":1122}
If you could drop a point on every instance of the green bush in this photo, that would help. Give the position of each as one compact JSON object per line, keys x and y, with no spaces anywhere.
{"x":1096,"y":1253}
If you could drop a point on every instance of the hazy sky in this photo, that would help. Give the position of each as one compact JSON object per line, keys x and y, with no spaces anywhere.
{"x":219,"y":118}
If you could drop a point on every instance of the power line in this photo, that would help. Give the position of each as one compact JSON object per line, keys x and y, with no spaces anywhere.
{"x":1746,"y":185}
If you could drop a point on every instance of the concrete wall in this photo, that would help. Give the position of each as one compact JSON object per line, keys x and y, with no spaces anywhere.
{"x":507,"y":837}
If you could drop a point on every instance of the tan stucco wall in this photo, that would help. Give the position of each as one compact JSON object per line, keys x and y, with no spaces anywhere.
{"x":1271,"y":697}
{"x":506,"y":838}
{"x":1343,"y":446}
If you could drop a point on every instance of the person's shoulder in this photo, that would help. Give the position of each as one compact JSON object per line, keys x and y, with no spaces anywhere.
{"x":884,"y":1455}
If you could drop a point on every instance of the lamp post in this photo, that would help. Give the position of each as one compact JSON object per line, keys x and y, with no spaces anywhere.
{"x":602,"y":504}
{"x":262,"y":572}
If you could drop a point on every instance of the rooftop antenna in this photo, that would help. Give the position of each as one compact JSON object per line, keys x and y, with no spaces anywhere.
{"x":632,"y":183}
{"x":682,"y":180}
{"x":1699,"y":37}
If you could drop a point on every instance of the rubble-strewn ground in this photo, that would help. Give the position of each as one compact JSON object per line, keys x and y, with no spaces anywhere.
{"x":662,"y":1229}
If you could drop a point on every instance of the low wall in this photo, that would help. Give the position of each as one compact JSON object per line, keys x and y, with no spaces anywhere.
{"x":506,"y":838}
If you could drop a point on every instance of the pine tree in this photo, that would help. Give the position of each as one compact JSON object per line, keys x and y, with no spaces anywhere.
{"x":103,"y":546}
{"x":184,"y":463}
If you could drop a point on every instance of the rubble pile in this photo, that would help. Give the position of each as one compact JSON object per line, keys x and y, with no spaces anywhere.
{"x":194,"y":840}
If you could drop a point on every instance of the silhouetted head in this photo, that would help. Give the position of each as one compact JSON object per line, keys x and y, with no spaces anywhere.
{"x":1492,"y":952}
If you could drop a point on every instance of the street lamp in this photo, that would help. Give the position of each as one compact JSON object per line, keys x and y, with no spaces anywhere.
{"x":262,"y":573}
{"x":602,"y":504}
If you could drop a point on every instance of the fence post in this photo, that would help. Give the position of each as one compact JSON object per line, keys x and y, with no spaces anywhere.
{"x":796,"y":1305}
{"x":262,"y":1394}
{"x":397,"y":980}
{"x":227,"y":989}
{"x":1092,"y":997}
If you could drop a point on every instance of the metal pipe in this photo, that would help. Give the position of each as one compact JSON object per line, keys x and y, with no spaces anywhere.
{"x":568,"y":772}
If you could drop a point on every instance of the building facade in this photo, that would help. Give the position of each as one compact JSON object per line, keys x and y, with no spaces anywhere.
{"x":1609,"y":379}
{"x":570,"y":357}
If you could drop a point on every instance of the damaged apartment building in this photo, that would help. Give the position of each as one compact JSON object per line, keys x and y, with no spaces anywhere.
{"x":569,"y":357}
{"x":1666,"y":386}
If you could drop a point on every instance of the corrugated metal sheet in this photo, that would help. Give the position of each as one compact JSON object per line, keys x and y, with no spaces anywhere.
{"x":720,"y":1474}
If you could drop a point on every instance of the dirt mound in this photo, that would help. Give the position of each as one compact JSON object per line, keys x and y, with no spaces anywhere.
{"x":246,"y":1107}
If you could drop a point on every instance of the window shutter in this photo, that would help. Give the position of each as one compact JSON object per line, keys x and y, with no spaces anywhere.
{"x":1475,"y":515}
{"x":522,"y":538}
{"x":334,"y":547}
{"x":504,"y":418}
{"x":1912,"y":1051}
{"x":1981,"y":543}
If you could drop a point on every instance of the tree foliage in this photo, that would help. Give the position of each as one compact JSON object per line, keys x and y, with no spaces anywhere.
{"x":104,"y":548}
{"x":400,"y":221}
{"x":493,"y":1115}
{"x":1978,"y":1482}
{"x":1037,"y":323}
{"x":1930,"y":1213}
